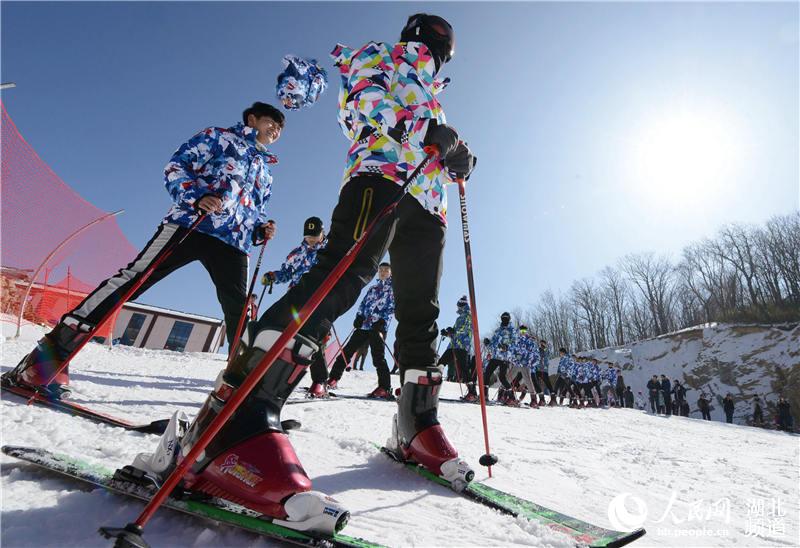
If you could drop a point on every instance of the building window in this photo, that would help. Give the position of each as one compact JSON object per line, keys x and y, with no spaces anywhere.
{"x":132,"y":331}
{"x":179,"y":336}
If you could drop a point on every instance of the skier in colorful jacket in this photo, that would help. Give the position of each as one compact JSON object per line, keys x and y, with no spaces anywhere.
{"x":371,"y":324}
{"x":222,"y":173}
{"x":501,"y":346}
{"x":457,"y":356}
{"x":301,"y":258}
{"x":388,"y":113}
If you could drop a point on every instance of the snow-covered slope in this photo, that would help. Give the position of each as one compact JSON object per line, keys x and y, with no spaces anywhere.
{"x":574,"y":461}
{"x":745,"y":360}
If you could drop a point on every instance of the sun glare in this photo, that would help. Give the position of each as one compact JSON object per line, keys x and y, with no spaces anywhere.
{"x":684,"y":155}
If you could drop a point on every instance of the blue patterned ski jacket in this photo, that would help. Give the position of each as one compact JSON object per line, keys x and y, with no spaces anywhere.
{"x":610,"y":376}
{"x":378,"y":304}
{"x":227,"y":163}
{"x":564,"y":367}
{"x":526,"y":353}
{"x":594,"y":371}
{"x":462,"y":331}
{"x":583,"y":373}
{"x":503,"y":341}
{"x":298,"y":262}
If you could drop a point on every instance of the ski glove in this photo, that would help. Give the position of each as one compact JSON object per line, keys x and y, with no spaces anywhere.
{"x":263,"y":233}
{"x":461,"y":161}
{"x":268,"y":278}
{"x":442,"y":136}
{"x":359,"y":321}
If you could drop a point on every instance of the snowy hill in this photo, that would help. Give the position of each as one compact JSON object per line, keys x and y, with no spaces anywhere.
{"x":683,"y":471}
{"x":744,"y":360}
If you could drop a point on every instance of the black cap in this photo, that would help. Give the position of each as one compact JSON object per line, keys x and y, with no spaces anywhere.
{"x":384,"y":263}
{"x":312,"y":227}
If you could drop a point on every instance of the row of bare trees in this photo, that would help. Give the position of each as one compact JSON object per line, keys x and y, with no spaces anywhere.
{"x":745,"y":273}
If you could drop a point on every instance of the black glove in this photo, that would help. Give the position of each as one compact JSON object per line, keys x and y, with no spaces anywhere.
{"x":359,"y":321}
{"x":268,"y":278}
{"x":380,"y":325}
{"x":461,"y":161}
{"x":442,"y":136}
{"x":443,"y":332}
{"x":450,"y":331}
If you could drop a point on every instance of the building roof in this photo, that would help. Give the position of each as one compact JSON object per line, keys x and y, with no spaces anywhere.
{"x":161,"y":310}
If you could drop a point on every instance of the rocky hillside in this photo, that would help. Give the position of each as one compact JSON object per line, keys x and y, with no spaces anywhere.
{"x":744,"y":360}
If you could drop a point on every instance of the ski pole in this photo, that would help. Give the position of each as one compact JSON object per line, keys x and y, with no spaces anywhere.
{"x":458,"y":373}
{"x":134,"y":287}
{"x":246,"y":309}
{"x":341,"y":346}
{"x":134,"y":530}
{"x":389,"y":350}
{"x":487,"y":459}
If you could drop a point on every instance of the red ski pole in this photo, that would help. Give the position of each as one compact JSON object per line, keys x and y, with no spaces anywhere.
{"x":135,"y":529}
{"x":134,"y":287}
{"x":247,"y":303}
{"x":487,"y":459}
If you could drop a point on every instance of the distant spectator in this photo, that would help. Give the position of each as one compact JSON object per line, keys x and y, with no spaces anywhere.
{"x":620,"y":389}
{"x":666,"y":391}
{"x":653,"y":387}
{"x":704,"y":407}
{"x":785,"y":421}
{"x":758,"y":413}
{"x":684,"y":408}
{"x":628,"y":397}
{"x":660,"y":402}
{"x":727,"y":406}
{"x":640,"y":403}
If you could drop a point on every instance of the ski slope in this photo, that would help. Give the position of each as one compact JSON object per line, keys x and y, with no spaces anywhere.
{"x":682,"y":471}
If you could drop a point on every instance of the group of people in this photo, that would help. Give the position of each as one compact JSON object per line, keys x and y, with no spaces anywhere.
{"x":783,"y":411}
{"x":401,"y":154}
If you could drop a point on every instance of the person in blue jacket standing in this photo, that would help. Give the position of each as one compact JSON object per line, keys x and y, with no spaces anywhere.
{"x":460,"y":348}
{"x":372,"y":322}
{"x":222,"y":173}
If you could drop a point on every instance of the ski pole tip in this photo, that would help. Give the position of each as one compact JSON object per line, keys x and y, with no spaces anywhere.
{"x":488,"y":460}
{"x":128,"y":537}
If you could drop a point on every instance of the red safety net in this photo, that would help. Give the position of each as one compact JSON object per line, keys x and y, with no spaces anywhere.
{"x":41,"y":222}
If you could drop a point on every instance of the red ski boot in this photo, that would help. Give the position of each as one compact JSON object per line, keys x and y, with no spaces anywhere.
{"x":381,"y":394}
{"x":331,"y":384}
{"x":37,"y":368}
{"x":251,"y":460}
{"x":417,"y":435}
{"x":317,"y":390}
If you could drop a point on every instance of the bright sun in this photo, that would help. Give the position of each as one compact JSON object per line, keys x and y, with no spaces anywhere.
{"x":683,"y":155}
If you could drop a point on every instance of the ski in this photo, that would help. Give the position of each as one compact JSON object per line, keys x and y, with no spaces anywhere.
{"x":77,"y":409}
{"x":583,"y":533}
{"x":211,"y":509}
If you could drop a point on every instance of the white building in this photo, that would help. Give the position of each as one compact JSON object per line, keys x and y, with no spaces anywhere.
{"x":146,"y":326}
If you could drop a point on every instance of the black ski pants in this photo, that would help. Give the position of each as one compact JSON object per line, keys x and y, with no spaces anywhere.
{"x":491,"y":367}
{"x":562,"y":385}
{"x":415,"y":241}
{"x":458,"y":359}
{"x":545,"y":380}
{"x":227,"y":266}
{"x":375,"y":339}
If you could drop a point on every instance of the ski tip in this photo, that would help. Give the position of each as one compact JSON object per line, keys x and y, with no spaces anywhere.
{"x":623,"y":540}
{"x":155,"y":427}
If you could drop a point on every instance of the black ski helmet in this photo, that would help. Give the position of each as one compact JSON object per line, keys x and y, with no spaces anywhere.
{"x":434,"y":32}
{"x":505,"y":318}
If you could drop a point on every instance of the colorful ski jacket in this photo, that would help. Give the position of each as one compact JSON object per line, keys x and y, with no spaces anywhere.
{"x":610,"y":376}
{"x":594,"y":371}
{"x":462,"y":331}
{"x":503,"y":341}
{"x":386,"y":102}
{"x":227,"y":163}
{"x":583,"y":373}
{"x":564,"y":366}
{"x":298,"y":262}
{"x":378,"y":304}
{"x":526,"y":352}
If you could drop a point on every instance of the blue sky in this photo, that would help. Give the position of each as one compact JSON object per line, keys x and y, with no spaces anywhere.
{"x":601,"y":128}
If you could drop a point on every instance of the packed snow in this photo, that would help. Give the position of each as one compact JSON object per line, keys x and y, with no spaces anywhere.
{"x":699,"y":483}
